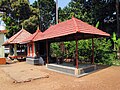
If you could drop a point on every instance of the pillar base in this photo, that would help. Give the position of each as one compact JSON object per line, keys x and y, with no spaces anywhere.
{"x":32,"y":60}
{"x":76,"y":72}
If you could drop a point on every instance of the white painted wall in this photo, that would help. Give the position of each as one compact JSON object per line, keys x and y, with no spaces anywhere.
{"x":2,"y":39}
{"x":2,"y":47}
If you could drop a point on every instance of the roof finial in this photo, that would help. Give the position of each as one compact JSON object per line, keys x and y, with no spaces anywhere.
{"x":22,"y":27}
{"x":72,"y":16}
{"x":38,"y":28}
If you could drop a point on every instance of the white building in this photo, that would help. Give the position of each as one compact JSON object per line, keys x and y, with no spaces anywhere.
{"x":2,"y":39}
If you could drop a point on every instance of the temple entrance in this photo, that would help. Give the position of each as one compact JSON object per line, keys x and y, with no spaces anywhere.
{"x":41,"y":50}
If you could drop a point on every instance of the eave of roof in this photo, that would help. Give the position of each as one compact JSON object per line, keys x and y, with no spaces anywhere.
{"x":18,"y":37}
{"x":65,"y":28}
{"x":71,"y":26}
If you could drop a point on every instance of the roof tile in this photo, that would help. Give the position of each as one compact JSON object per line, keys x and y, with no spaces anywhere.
{"x":18,"y":37}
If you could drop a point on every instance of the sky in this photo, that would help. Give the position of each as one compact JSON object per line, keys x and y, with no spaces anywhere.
{"x":61,"y":3}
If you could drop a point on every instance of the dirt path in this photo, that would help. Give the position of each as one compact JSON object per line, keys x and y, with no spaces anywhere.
{"x":105,"y":79}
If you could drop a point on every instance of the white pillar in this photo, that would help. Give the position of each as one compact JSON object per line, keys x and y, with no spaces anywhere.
{"x":2,"y":47}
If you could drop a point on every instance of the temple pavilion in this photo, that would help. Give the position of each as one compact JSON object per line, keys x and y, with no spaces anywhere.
{"x":17,"y":50}
{"x":38,"y":44}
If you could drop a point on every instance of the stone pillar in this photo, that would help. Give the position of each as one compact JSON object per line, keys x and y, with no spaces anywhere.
{"x":15,"y":51}
{"x":11,"y":52}
{"x":76,"y":72}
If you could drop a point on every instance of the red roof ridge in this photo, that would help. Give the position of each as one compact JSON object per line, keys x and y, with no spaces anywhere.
{"x":76,"y":26}
{"x":37,"y":31}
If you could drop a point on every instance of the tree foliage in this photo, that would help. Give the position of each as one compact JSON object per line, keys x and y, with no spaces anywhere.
{"x":103,"y":52}
{"x":76,"y":9}
{"x":47,"y":13}
{"x":20,"y":12}
{"x":97,"y":13}
{"x":92,"y":11}
{"x":15,"y":12}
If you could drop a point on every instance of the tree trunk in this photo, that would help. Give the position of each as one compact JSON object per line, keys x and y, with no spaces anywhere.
{"x":117,"y":17}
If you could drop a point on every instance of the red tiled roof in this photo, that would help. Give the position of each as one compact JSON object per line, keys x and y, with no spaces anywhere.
{"x":33,"y":37}
{"x":68,"y":27}
{"x":39,"y":35}
{"x":71,"y":26}
{"x":18,"y":37}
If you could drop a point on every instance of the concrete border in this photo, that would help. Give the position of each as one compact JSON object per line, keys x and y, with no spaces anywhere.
{"x":77,"y":72}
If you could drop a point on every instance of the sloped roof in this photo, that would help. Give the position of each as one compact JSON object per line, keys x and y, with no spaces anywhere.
{"x":72,"y":26}
{"x":65,"y":28}
{"x":18,"y":37}
{"x":33,"y":37}
{"x":39,"y":35}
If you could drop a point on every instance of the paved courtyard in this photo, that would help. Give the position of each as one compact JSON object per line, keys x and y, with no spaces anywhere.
{"x":107,"y":78}
{"x":23,"y":72}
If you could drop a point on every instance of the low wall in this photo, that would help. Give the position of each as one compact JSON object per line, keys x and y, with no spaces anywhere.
{"x":2,"y":60}
{"x":72,"y":70}
{"x":59,"y":68}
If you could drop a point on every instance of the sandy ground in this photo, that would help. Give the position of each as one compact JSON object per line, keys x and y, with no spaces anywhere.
{"x":104,"y":79}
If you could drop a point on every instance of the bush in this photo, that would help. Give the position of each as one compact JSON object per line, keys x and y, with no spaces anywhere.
{"x":103,"y":52}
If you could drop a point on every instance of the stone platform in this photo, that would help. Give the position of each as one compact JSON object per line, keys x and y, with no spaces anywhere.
{"x":69,"y":69}
{"x":32,"y":60}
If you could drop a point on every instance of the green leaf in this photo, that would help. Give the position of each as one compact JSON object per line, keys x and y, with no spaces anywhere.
{"x":97,"y":25}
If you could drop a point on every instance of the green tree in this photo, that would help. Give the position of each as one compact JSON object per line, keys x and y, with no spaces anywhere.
{"x":20,"y":12}
{"x":43,"y":14}
{"x":47,"y":13}
{"x":76,"y":8}
{"x":15,"y":12}
{"x":92,"y":11}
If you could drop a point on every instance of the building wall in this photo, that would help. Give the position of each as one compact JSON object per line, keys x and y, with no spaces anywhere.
{"x":1,"y":47}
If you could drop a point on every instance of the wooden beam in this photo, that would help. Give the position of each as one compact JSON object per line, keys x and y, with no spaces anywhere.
{"x":28,"y":50}
{"x":10,"y":49}
{"x":32,"y":49}
{"x":76,"y":53}
{"x":92,"y":51}
{"x":47,"y":52}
